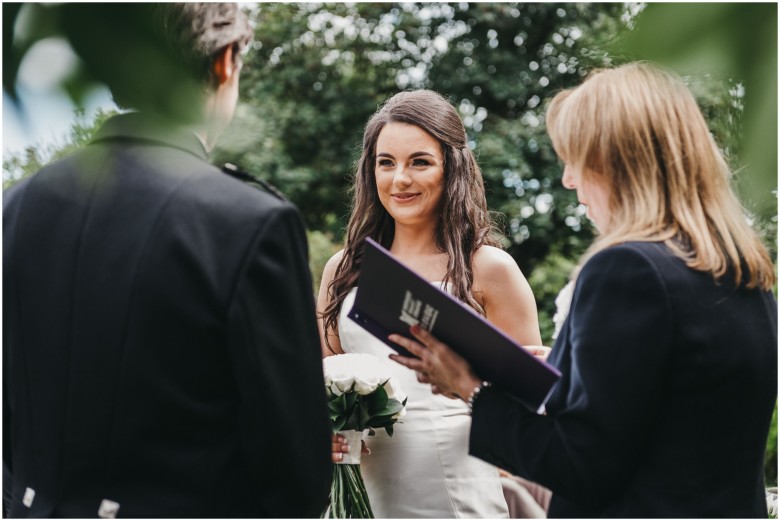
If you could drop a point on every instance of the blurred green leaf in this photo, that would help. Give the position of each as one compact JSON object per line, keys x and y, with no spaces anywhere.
{"x":770,"y":465}
{"x":730,"y":41}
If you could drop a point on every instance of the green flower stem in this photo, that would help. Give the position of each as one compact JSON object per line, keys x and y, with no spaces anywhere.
{"x":348,"y":495}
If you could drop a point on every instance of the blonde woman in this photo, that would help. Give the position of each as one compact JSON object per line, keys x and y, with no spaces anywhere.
{"x":669,"y":352}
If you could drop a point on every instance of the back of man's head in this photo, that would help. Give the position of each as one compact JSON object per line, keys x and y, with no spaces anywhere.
{"x":197,"y":32}
{"x":157,"y":57}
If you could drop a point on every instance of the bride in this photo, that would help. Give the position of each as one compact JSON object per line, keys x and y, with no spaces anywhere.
{"x":418,"y":191}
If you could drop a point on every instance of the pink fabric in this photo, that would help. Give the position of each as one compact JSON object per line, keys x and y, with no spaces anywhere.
{"x":525,"y":499}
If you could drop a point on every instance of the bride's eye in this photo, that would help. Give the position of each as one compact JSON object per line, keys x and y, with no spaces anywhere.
{"x":420,"y":162}
{"x":384,"y":162}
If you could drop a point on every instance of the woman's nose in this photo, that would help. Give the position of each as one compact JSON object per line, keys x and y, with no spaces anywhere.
{"x":402,"y":177}
{"x":568,"y":179}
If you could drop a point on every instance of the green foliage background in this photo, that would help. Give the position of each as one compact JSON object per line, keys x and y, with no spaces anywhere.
{"x":317,"y":71}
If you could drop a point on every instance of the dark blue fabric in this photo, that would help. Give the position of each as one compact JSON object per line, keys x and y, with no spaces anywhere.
{"x":669,"y":383}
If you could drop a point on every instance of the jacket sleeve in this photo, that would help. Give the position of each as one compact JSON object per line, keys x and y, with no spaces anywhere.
{"x":11,"y":204}
{"x":619,"y":333}
{"x":276,"y":356}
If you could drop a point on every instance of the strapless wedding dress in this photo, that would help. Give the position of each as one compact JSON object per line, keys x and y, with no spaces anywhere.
{"x":423,"y":470}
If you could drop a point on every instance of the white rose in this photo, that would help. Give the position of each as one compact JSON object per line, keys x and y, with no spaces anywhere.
{"x":341,"y":383}
{"x":366,"y":371}
{"x":394,"y":391}
{"x":366,"y":383}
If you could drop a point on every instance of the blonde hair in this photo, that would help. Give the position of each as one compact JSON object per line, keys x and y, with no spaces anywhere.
{"x":638,"y":129}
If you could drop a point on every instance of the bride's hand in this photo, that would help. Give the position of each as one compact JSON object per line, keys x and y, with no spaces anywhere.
{"x":447,"y":372}
{"x":339,"y":447}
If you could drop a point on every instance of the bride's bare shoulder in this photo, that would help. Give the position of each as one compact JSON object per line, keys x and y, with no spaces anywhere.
{"x":491,"y":263}
{"x":330,"y":267}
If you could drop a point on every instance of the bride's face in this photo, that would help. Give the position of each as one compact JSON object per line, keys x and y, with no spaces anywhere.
{"x":409,"y":173}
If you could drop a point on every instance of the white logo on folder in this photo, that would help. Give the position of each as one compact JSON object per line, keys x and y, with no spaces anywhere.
{"x":414,"y":312}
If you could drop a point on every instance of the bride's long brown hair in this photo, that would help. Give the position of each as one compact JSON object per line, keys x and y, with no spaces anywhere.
{"x":464,"y":222}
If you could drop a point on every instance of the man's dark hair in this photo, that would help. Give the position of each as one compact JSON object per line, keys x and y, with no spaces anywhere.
{"x":198,"y":32}
{"x":156,"y":57}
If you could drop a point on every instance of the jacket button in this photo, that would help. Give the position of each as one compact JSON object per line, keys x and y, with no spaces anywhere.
{"x":108,"y":509}
{"x":29,"y":495}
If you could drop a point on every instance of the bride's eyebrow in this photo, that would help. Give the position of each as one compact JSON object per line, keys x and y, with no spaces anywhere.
{"x":419,"y":154}
{"x":411,"y":156}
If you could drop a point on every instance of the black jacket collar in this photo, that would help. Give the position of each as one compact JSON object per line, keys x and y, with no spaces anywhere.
{"x":143,"y":127}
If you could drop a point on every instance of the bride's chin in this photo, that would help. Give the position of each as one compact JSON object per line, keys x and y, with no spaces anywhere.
{"x":402,"y":214}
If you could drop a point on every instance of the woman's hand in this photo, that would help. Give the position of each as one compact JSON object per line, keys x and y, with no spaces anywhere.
{"x":447,"y":372}
{"x":339,"y":447}
{"x":540,"y":352}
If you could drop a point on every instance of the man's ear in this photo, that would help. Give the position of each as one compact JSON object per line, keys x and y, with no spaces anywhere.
{"x":223,"y":66}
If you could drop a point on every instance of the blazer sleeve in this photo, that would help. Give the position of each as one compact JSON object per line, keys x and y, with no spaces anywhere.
{"x":277,"y":358}
{"x":11,"y":204}
{"x":620,"y":330}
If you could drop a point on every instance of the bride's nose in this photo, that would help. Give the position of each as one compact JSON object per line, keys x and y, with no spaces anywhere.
{"x":402,"y":177}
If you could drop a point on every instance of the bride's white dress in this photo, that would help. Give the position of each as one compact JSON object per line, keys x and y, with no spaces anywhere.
{"x":423,"y":470}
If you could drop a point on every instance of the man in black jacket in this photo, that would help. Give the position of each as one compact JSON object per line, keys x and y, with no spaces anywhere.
{"x":160,"y":348}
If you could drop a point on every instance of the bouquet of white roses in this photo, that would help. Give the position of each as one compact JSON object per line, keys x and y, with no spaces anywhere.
{"x":362,"y":395}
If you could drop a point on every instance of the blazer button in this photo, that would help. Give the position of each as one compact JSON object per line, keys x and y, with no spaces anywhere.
{"x":108,"y":509}
{"x":29,"y":495}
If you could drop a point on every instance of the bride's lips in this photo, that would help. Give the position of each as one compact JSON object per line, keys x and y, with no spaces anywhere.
{"x":404,"y":197}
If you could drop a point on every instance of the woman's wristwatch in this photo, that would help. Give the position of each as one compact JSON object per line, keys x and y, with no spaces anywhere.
{"x":474,"y":393}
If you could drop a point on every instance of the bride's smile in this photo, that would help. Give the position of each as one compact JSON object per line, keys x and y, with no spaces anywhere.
{"x":409,"y":173}
{"x":404,"y":197}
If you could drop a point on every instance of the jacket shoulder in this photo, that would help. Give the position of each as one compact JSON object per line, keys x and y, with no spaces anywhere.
{"x":654,"y":254}
{"x":245,"y":177}
{"x":633,"y":263}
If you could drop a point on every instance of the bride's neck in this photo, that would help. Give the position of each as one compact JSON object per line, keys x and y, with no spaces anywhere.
{"x":409,"y":240}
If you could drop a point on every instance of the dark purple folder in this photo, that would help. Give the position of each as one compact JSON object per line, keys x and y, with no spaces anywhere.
{"x":391,"y":297}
